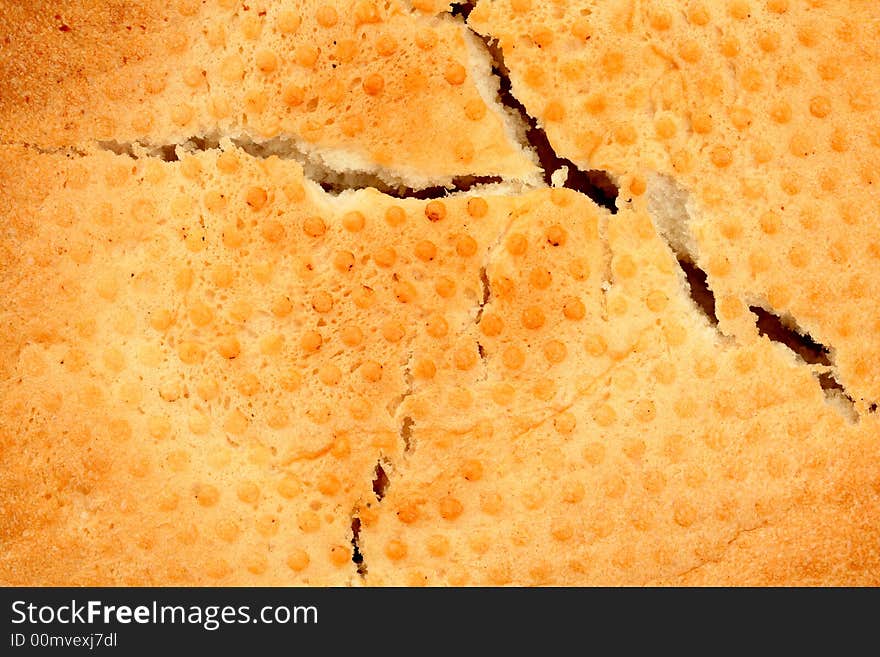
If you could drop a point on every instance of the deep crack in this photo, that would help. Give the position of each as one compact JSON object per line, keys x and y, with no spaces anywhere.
{"x":774,"y":328}
{"x":380,"y":481}
{"x":668,"y":207}
{"x":463,"y":9}
{"x":137,"y":150}
{"x":701,"y":293}
{"x":336,"y":182}
{"x":331,"y":181}
{"x":461,"y":184}
{"x":779,"y":330}
{"x":802,"y":344}
{"x":596,"y":185}
{"x":357,"y":556}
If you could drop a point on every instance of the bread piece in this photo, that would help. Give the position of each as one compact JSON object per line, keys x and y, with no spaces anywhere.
{"x":688,"y":459}
{"x":202,"y":359}
{"x":214,"y":372}
{"x":353,"y":86}
{"x":764,"y":113}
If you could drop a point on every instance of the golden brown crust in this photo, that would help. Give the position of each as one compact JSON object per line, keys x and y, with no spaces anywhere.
{"x":826,"y":538}
{"x":644,"y":464}
{"x":215,"y":349}
{"x":202,"y":361}
{"x":56,"y":54}
{"x":765,"y":112}
{"x":352,"y":84}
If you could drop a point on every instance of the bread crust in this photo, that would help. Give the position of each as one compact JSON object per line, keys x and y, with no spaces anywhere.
{"x":368,"y":89}
{"x":215,"y":372}
{"x":764,"y":114}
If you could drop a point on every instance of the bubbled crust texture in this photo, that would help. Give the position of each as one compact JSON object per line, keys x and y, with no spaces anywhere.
{"x":765,"y":111}
{"x":387,"y":87}
{"x":639,"y":448}
{"x":202,"y":361}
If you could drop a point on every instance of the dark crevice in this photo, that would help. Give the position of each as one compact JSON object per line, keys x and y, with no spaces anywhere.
{"x":783,"y":330}
{"x":834,"y":389}
{"x":331,"y":181}
{"x":595,"y":184}
{"x":777,"y":329}
{"x":335,"y":182}
{"x":406,"y":433}
{"x":380,"y":481}
{"x":462,"y":184}
{"x":462,"y":9}
{"x":487,"y":293}
{"x":828,"y":382}
{"x":168,"y":153}
{"x":701,"y":293}
{"x":357,"y":556}
{"x":803,"y":345}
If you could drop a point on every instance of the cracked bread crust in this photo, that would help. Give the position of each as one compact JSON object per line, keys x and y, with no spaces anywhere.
{"x":765,"y":113}
{"x":228,"y":352}
{"x":346,"y":83}
{"x":206,"y":362}
{"x":670,"y":460}
{"x":202,"y":358}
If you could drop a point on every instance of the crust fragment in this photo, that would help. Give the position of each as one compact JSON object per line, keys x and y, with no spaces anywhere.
{"x":764,"y":113}
{"x":202,"y":361}
{"x":673,"y":457}
{"x":362,"y":86}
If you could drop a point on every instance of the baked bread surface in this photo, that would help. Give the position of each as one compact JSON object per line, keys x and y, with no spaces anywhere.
{"x":213,"y":371}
